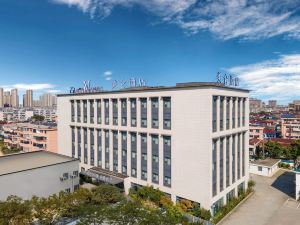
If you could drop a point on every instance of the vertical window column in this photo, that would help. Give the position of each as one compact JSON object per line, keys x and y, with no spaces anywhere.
{"x":85,"y":146}
{"x":244,"y":111}
{"x":227,"y":161}
{"x":167,"y":161}
{"x":133,"y":112}
{"x":106,"y":111}
{"x":124,"y":152}
{"x":233,"y":161}
{"x":221,"y":113}
{"x":72,"y":111}
{"x":243,"y":153}
{"x":233,"y":111}
{"x":78,"y":103}
{"x":99,"y":117}
{"x":214,"y":167}
{"x":167,"y":112}
{"x":133,"y":146}
{"x":85,"y":111}
{"x":115,"y":111}
{"x":79,"y":143}
{"x":214,"y":113}
{"x":115,"y":151}
{"x":106,"y":136}
{"x":73,"y":141}
{"x":227,"y":113}
{"x":92,"y":147}
{"x":92,"y":112}
{"x":144,"y":157}
{"x":124,"y":111}
{"x":155,"y":159}
{"x":154,"y":113}
{"x":143,"y":112}
{"x":99,"y":147}
{"x":239,"y":152}
{"x":239,"y":111}
{"x":221,"y":164}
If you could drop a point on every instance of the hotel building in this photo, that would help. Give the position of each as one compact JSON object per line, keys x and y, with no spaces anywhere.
{"x":189,"y":140}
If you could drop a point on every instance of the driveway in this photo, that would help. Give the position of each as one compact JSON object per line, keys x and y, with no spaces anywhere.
{"x":271,"y":204}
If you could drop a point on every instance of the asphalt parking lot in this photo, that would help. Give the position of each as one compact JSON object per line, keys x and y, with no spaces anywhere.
{"x":271,"y":204}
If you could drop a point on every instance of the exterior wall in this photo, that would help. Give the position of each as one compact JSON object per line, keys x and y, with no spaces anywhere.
{"x":41,"y":182}
{"x":191,"y":139}
{"x":297,"y":183}
{"x":23,"y":136}
{"x":265,"y":170}
{"x":290,"y":128}
{"x":256,"y":132}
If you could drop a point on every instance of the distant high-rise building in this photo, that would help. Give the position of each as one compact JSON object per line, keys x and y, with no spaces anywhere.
{"x":272,"y":103}
{"x":14,"y":98}
{"x":47,"y":100}
{"x":256,"y":105}
{"x":1,"y":97}
{"x":6,"y":98}
{"x":28,"y":99}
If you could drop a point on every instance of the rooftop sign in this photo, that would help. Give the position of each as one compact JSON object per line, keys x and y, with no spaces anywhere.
{"x":227,"y":80}
{"x":87,"y":88}
{"x":131,"y":83}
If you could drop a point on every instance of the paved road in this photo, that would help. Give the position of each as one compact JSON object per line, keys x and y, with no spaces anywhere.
{"x":270,"y":204}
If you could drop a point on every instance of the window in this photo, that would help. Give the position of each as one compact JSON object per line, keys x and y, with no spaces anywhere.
{"x":144,"y":175}
{"x":167,"y":161}
{"x":133,"y":155}
{"x":222,"y":113}
{"x":167,"y":181}
{"x":144,"y":156}
{"x":155,"y":178}
{"x":214,"y":168}
{"x":259,"y":168}
{"x":214,"y":114}
{"x":155,"y":158}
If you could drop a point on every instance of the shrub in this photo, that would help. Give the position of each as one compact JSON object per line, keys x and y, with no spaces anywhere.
{"x":186,"y":205}
{"x":251,"y":184}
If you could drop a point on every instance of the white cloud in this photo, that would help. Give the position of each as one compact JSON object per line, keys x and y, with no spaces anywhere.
{"x":226,"y":19}
{"x":107,"y":75}
{"x":28,"y":86}
{"x":272,"y":79}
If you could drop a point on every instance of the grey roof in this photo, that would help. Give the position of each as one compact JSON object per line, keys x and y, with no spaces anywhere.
{"x":188,"y":85}
{"x":30,"y":160}
{"x":265,"y":162}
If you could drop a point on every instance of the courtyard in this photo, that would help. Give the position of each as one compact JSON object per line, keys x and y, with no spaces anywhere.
{"x":271,"y":204}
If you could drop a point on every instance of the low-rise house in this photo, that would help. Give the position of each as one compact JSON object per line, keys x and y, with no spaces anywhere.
{"x":37,"y":173}
{"x":265,"y":167}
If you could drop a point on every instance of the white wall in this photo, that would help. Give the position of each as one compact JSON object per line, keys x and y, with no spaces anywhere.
{"x":266,"y":171}
{"x":41,"y":182}
{"x":297,"y":185}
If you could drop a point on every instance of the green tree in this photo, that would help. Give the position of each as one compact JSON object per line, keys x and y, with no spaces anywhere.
{"x":49,"y":210}
{"x":106,"y":194}
{"x":15,"y":211}
{"x":38,"y":118}
{"x":294,"y":151}
{"x":274,"y":149}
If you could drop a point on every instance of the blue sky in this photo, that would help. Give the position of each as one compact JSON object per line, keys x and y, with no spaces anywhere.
{"x":51,"y":45}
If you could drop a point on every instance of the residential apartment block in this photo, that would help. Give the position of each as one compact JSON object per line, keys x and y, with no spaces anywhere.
{"x":190,"y":140}
{"x":290,"y":128}
{"x":256,"y":132}
{"x":31,"y":137}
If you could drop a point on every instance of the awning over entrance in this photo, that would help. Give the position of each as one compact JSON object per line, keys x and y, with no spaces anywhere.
{"x":105,"y":176}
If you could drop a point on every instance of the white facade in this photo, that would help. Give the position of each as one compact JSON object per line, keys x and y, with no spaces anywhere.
{"x":26,"y":178}
{"x":193,"y":171}
{"x":263,"y":169}
{"x":297,"y":183}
